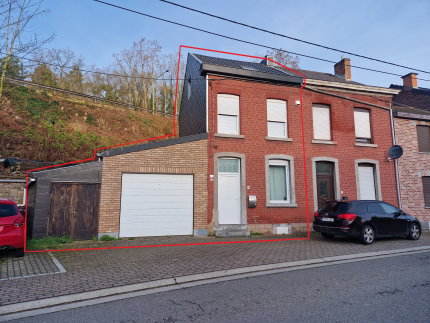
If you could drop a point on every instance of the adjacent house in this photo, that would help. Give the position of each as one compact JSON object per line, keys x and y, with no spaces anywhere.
{"x":412,"y":127}
{"x":247,"y":145}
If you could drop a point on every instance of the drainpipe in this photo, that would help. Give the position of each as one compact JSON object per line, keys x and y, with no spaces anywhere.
{"x":213,"y":114}
{"x":395,"y":160}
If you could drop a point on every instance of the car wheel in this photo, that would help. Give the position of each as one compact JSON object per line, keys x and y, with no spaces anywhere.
{"x":414,"y":232}
{"x":367,"y":235}
{"x":18,"y":253}
{"x":327,"y":236}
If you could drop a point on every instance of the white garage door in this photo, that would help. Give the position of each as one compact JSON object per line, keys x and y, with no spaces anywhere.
{"x":156,"y":205}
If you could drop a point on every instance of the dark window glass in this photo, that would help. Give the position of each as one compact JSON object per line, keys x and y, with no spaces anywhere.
{"x":336,"y":207}
{"x":374,"y":208}
{"x":7,"y":210}
{"x":361,"y":208}
{"x":426,"y":190}
{"x":324,"y":168}
{"x":388,"y":208}
{"x":423,"y":133}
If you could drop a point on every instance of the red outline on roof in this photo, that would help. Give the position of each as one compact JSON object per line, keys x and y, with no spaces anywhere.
{"x":173,"y":134}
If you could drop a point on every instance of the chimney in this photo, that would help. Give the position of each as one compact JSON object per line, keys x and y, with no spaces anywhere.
{"x":410,"y":80}
{"x":342,"y":69}
{"x":267,"y":62}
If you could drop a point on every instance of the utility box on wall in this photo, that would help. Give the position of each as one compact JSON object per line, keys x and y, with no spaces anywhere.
{"x":282,"y":228}
{"x":252,"y":201}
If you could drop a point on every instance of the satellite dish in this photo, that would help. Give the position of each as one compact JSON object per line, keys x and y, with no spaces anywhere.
{"x":395,"y":151}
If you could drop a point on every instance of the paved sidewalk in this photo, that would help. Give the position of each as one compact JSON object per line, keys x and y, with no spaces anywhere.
{"x":98,"y":269}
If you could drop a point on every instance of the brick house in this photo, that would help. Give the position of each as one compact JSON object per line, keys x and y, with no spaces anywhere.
{"x":240,"y":142}
{"x":412,"y":127}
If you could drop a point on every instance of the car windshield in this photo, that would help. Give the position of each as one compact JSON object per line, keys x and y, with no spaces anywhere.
{"x":7,"y":210}
{"x":335,"y":207}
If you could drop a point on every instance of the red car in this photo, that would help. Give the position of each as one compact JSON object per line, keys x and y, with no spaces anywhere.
{"x":12,"y":228}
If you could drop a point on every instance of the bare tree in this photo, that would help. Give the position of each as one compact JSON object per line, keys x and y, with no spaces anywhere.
{"x":15,"y":17}
{"x":285,"y":58}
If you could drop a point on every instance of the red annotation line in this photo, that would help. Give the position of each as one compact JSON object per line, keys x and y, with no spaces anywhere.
{"x":173,"y":134}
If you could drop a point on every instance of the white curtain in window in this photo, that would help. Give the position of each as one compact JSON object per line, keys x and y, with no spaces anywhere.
{"x":366,"y":183}
{"x":227,"y":124}
{"x":321,"y":122}
{"x":278,"y":183}
{"x":276,"y":110}
{"x":362,"y":124}
{"x":228,"y":104}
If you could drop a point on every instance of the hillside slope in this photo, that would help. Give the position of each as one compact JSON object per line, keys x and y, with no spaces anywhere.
{"x":37,"y":125}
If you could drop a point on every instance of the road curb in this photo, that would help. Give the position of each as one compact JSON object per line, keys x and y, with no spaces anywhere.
{"x":186,"y":280}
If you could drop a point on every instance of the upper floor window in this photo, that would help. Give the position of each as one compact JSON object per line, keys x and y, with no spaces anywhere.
{"x":321,"y":121}
{"x":423,"y":133}
{"x":362,"y":125}
{"x":228,"y":114}
{"x":277,"y":118}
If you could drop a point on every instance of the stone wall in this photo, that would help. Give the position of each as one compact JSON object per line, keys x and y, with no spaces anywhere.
{"x":13,"y":190}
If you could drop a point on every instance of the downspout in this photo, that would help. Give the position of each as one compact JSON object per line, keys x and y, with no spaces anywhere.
{"x":213,"y":114}
{"x":395,"y":160}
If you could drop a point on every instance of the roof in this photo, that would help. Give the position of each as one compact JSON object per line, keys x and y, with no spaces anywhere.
{"x":418,"y":98}
{"x":152,"y":145}
{"x":246,"y":69}
{"x":321,"y":76}
{"x":240,"y":64}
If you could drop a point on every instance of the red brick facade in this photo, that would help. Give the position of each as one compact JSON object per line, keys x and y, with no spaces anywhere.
{"x":253,"y":126}
{"x":412,"y":166}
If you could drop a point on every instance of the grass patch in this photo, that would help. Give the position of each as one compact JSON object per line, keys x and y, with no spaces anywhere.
{"x":256,"y":234}
{"x":131,"y":238}
{"x":107,"y":238}
{"x":47,"y":242}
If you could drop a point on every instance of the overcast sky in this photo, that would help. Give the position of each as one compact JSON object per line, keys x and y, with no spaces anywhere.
{"x":392,"y":30}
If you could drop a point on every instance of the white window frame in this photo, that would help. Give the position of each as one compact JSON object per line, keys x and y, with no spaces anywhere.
{"x":237,"y":116}
{"x":270,"y":120}
{"x":316,"y":120}
{"x":288,"y":162}
{"x":366,"y":138}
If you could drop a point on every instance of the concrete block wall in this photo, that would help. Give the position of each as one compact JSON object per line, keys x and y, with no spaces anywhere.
{"x":412,"y":166}
{"x":184,"y":158}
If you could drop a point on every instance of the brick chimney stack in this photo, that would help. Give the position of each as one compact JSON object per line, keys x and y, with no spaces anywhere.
{"x":410,"y":80}
{"x":342,"y":69}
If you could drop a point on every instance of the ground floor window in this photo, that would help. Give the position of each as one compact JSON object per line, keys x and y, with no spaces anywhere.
{"x":279,"y":181}
{"x":366,"y":181}
{"x":426,"y":190}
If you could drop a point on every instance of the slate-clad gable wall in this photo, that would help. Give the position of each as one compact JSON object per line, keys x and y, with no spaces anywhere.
{"x":41,"y":190}
{"x":192,"y":116}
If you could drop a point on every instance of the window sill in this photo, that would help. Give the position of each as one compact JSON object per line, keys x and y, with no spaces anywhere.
{"x":362,"y":144}
{"x":325,"y":142}
{"x":228,"y":135}
{"x":279,"y":139}
{"x":281,"y":204}
{"x":424,"y":152}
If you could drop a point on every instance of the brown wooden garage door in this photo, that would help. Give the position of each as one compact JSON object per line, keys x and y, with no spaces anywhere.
{"x":73,"y":210}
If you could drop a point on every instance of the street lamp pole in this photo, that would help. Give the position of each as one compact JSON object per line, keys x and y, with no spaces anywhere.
{"x":153,"y":89}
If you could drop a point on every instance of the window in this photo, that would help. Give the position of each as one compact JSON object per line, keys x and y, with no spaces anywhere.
{"x":366,"y":181}
{"x":426,"y":190}
{"x":279,"y":181}
{"x":228,"y":114}
{"x":423,"y":133}
{"x":374,"y":208}
{"x":361,"y":208}
{"x":321,"y":122}
{"x":388,"y":208}
{"x":362,"y":125}
{"x":189,"y":87}
{"x":277,"y":118}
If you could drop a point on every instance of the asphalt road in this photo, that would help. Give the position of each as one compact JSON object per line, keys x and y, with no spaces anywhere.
{"x":395,"y":289}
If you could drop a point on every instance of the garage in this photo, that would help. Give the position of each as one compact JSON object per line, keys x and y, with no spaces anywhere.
{"x":156,"y":205}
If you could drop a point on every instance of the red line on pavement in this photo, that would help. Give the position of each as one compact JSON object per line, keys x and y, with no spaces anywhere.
{"x":173,"y":134}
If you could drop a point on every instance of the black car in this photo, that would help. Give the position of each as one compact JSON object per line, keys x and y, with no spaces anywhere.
{"x":365,"y":220}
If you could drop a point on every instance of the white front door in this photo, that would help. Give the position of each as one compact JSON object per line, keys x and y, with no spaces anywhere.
{"x":229,"y":190}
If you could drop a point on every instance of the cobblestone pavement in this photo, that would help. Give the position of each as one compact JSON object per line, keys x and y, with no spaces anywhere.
{"x":89,"y":270}
{"x":32,"y":264}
